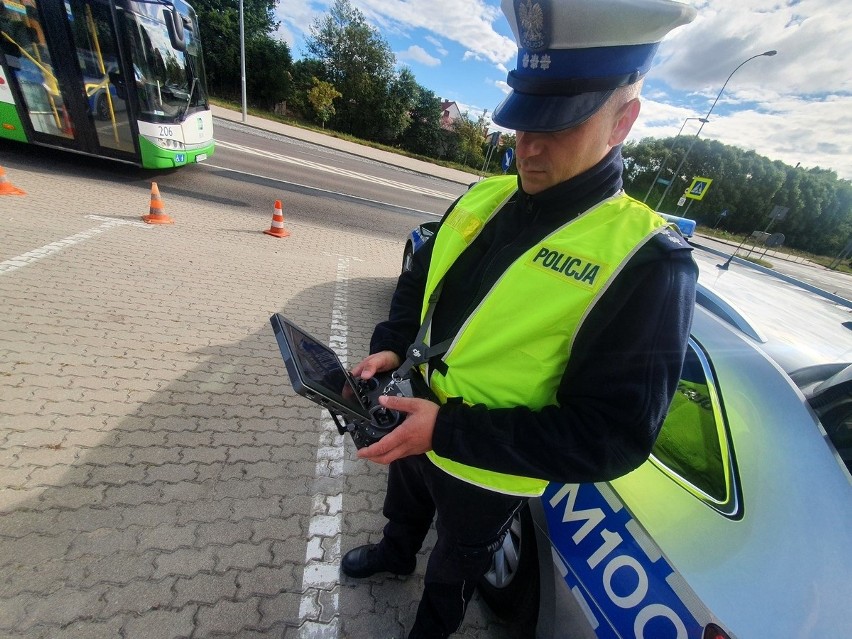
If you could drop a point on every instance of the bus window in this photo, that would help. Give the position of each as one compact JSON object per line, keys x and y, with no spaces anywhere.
{"x":97,"y":55}
{"x":28,"y":57}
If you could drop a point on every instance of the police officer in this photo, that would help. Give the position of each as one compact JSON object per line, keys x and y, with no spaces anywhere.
{"x":555,"y":310}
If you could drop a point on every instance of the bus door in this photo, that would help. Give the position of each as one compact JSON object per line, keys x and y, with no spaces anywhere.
{"x":60,"y":54}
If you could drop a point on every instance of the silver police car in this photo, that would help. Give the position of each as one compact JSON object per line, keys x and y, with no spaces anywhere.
{"x":738,"y":526}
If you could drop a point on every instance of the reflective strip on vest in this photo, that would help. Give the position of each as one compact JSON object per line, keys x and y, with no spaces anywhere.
{"x":514,"y":348}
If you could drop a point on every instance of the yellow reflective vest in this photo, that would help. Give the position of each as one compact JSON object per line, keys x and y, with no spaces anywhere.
{"x":513,"y":349}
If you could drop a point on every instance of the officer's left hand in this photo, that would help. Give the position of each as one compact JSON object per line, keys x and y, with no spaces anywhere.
{"x":412,"y":437}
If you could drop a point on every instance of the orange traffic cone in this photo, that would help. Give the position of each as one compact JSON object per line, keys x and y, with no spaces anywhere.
{"x":6,"y":187}
{"x":156,"y":215}
{"x":277,"y":229}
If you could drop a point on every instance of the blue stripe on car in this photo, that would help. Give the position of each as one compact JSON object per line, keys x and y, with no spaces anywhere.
{"x":628,"y":592}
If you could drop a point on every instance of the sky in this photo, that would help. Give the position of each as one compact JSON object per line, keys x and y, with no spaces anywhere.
{"x":795,"y":107}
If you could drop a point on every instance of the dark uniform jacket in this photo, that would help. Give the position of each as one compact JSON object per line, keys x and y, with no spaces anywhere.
{"x":626,"y":359}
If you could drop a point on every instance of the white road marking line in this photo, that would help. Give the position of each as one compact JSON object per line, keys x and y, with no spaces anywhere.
{"x":337,"y":170}
{"x":30,"y":257}
{"x":321,"y":576}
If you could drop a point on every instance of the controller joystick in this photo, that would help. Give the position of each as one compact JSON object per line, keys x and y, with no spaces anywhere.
{"x":385,"y":419}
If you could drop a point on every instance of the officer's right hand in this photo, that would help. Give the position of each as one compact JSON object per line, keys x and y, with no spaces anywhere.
{"x":376,"y":363}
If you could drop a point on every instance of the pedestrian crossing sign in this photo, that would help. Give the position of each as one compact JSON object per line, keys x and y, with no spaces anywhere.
{"x":698,"y":188}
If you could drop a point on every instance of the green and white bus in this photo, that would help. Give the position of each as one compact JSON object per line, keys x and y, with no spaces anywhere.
{"x":120,"y":79}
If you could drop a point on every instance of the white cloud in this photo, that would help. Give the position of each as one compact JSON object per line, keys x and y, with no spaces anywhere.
{"x":503,"y":86}
{"x":295,"y":18}
{"x":439,"y":47}
{"x":418,"y":54}
{"x":792,"y":106}
{"x":790,"y":129}
{"x":814,"y":50}
{"x":467,"y":22}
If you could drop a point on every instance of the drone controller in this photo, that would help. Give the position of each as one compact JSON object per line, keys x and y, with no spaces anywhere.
{"x":382,"y":420}
{"x":316,"y":373}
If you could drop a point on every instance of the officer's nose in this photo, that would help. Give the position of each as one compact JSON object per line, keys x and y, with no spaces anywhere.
{"x":527,"y":144}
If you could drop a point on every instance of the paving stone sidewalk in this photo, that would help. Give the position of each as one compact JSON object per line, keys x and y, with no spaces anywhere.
{"x":159,"y":477}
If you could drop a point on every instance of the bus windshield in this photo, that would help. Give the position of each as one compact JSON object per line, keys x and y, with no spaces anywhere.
{"x":169,"y":81}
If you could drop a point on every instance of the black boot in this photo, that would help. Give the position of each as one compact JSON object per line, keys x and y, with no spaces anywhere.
{"x":365,"y":561}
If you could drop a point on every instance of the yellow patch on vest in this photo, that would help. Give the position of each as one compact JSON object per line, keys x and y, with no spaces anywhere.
{"x":571,"y":268}
{"x":466,"y":223}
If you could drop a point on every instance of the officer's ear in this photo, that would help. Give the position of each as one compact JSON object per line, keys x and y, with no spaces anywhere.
{"x":624,"y":119}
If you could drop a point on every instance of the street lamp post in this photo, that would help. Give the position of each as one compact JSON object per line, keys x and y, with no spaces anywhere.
{"x":666,"y":156}
{"x":243,"y":62}
{"x":707,"y":117}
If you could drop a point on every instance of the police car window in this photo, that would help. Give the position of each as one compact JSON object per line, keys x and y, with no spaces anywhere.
{"x":693,"y":446}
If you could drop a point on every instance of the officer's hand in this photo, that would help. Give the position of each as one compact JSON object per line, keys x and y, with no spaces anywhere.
{"x":376,"y":363}
{"x":412,"y":437}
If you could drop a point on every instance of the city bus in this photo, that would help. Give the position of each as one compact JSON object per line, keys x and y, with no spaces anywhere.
{"x":119,"y":79}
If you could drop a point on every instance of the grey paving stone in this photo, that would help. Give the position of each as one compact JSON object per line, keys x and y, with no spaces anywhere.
{"x":228,"y":617}
{"x":243,"y":556}
{"x":205,"y":588}
{"x":120,"y":568}
{"x":279,"y":610}
{"x":265,"y":581}
{"x":161,"y":624}
{"x":138,"y":597}
{"x":222,"y":533}
{"x":183,"y":562}
{"x":90,"y":629}
{"x":62,"y":607}
{"x":103,"y":542}
{"x":167,"y":537}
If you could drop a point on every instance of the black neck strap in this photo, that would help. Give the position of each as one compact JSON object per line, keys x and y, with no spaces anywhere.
{"x":419,"y":353}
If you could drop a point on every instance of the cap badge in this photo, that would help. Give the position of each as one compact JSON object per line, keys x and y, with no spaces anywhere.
{"x":533,"y":19}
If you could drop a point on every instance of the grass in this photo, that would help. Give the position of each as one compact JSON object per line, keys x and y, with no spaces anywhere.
{"x":759,"y":262}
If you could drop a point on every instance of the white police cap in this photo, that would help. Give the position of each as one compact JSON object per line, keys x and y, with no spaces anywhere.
{"x":572,"y":54}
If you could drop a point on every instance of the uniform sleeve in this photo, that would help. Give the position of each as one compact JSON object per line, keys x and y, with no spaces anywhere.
{"x":399,"y":331}
{"x":613,"y":396}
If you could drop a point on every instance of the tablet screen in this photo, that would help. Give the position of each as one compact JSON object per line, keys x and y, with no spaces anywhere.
{"x":322,"y":370}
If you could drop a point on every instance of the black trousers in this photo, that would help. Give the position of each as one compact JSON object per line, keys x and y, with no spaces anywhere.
{"x":471,"y":524}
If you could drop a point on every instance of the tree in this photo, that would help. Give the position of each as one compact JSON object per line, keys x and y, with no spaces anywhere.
{"x":219,"y":21}
{"x":748,"y":185}
{"x":396,"y":108}
{"x":322,"y":97}
{"x":423,"y":135}
{"x":303,"y":74}
{"x":359,"y":63}
{"x":268,"y":76}
{"x":471,"y":139}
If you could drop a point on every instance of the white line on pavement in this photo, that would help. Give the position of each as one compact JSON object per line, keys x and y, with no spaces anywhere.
{"x":319,"y":190}
{"x":35,"y":255}
{"x":337,"y":170}
{"x":318,"y":608}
